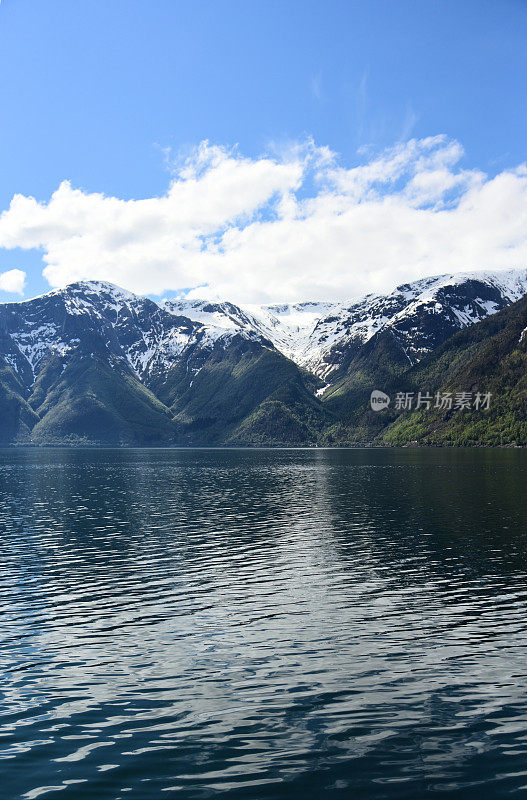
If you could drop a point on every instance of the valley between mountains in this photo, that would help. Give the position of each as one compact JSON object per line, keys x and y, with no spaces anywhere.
{"x":95,"y":365}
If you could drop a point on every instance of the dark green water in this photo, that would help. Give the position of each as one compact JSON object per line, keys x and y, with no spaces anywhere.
{"x":263,"y":624}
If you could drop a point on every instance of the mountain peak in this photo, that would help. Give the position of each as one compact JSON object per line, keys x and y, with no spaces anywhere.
{"x":97,"y":287}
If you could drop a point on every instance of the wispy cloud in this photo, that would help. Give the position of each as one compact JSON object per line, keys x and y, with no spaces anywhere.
{"x":292,"y":224}
{"x":316,"y":86}
{"x":411,"y":119}
{"x":361,"y":108}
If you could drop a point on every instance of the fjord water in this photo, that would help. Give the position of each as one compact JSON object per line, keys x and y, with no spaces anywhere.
{"x":263,"y":623}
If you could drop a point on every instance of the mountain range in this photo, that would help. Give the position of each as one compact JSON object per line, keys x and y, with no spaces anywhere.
{"x":93,"y":364}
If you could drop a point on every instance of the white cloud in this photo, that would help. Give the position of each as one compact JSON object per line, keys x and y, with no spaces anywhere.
{"x":293,"y":225}
{"x":13,"y":281}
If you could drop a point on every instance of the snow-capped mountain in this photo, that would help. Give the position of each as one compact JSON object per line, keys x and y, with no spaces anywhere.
{"x":95,"y":364}
{"x":88,"y":315}
{"x":420,"y":315}
{"x":289,"y":326}
{"x":319,"y":337}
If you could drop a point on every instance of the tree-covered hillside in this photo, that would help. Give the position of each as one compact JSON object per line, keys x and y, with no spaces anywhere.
{"x":490,"y":357}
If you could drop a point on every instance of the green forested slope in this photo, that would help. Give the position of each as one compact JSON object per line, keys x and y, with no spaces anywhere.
{"x":488,"y":357}
{"x":97,"y":400}
{"x":245,"y":394}
{"x":16,"y":415}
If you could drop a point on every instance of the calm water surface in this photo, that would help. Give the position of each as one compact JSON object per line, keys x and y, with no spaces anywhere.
{"x":263,"y":624}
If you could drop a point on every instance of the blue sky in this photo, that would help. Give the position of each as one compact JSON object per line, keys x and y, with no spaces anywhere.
{"x":114,"y":96}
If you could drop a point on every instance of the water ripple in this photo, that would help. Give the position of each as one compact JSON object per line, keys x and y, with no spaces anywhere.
{"x":263,"y":624}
